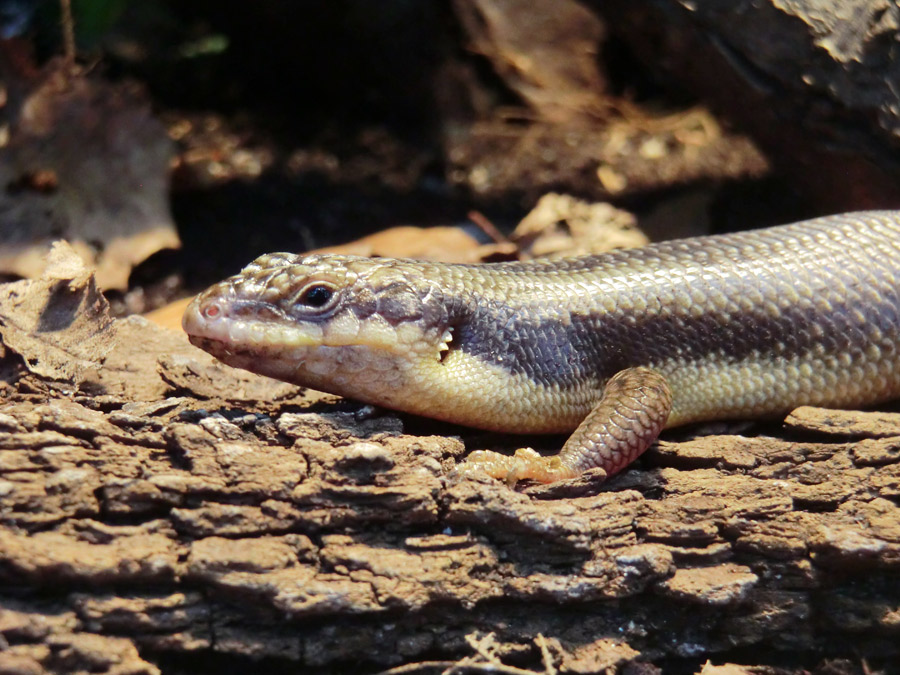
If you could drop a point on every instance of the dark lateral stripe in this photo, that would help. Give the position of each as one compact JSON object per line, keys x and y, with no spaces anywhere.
{"x":551,"y":352}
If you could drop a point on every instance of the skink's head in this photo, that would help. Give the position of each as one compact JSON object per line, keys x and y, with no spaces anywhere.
{"x":342,"y":324}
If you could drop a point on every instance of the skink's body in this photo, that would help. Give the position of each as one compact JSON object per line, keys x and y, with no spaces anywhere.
{"x":741,"y":325}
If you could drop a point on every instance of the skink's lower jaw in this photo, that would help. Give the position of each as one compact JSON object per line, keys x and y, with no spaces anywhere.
{"x":215,"y":347}
{"x":200,"y":341}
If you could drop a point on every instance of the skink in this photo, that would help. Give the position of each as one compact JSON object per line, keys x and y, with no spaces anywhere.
{"x":615,"y":347}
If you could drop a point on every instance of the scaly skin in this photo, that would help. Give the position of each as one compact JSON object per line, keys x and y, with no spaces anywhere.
{"x":743,"y":325}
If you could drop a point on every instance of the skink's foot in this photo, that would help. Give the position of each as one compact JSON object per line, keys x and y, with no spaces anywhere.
{"x":526,"y":463}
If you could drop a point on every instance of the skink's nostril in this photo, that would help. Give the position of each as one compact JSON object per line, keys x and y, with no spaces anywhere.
{"x":205,"y":314}
{"x":211,"y":311}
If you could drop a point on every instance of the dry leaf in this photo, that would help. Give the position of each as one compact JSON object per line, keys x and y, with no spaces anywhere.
{"x":88,"y":163}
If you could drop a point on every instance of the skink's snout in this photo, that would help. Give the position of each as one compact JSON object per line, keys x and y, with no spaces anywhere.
{"x":202,"y":314}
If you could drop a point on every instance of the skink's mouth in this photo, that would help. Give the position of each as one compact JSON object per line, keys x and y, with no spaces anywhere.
{"x":221,"y":349}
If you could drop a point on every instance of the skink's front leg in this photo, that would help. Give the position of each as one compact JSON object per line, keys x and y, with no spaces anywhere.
{"x":630,"y":414}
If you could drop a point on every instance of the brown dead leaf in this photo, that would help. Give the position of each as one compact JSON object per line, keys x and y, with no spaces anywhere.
{"x":561,"y":225}
{"x":86,"y":162}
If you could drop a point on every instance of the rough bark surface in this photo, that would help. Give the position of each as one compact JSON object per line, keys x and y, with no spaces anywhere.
{"x":163,"y":507}
{"x":812,"y":82}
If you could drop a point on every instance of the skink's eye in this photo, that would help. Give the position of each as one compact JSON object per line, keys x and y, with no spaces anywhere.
{"x":315,"y":295}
